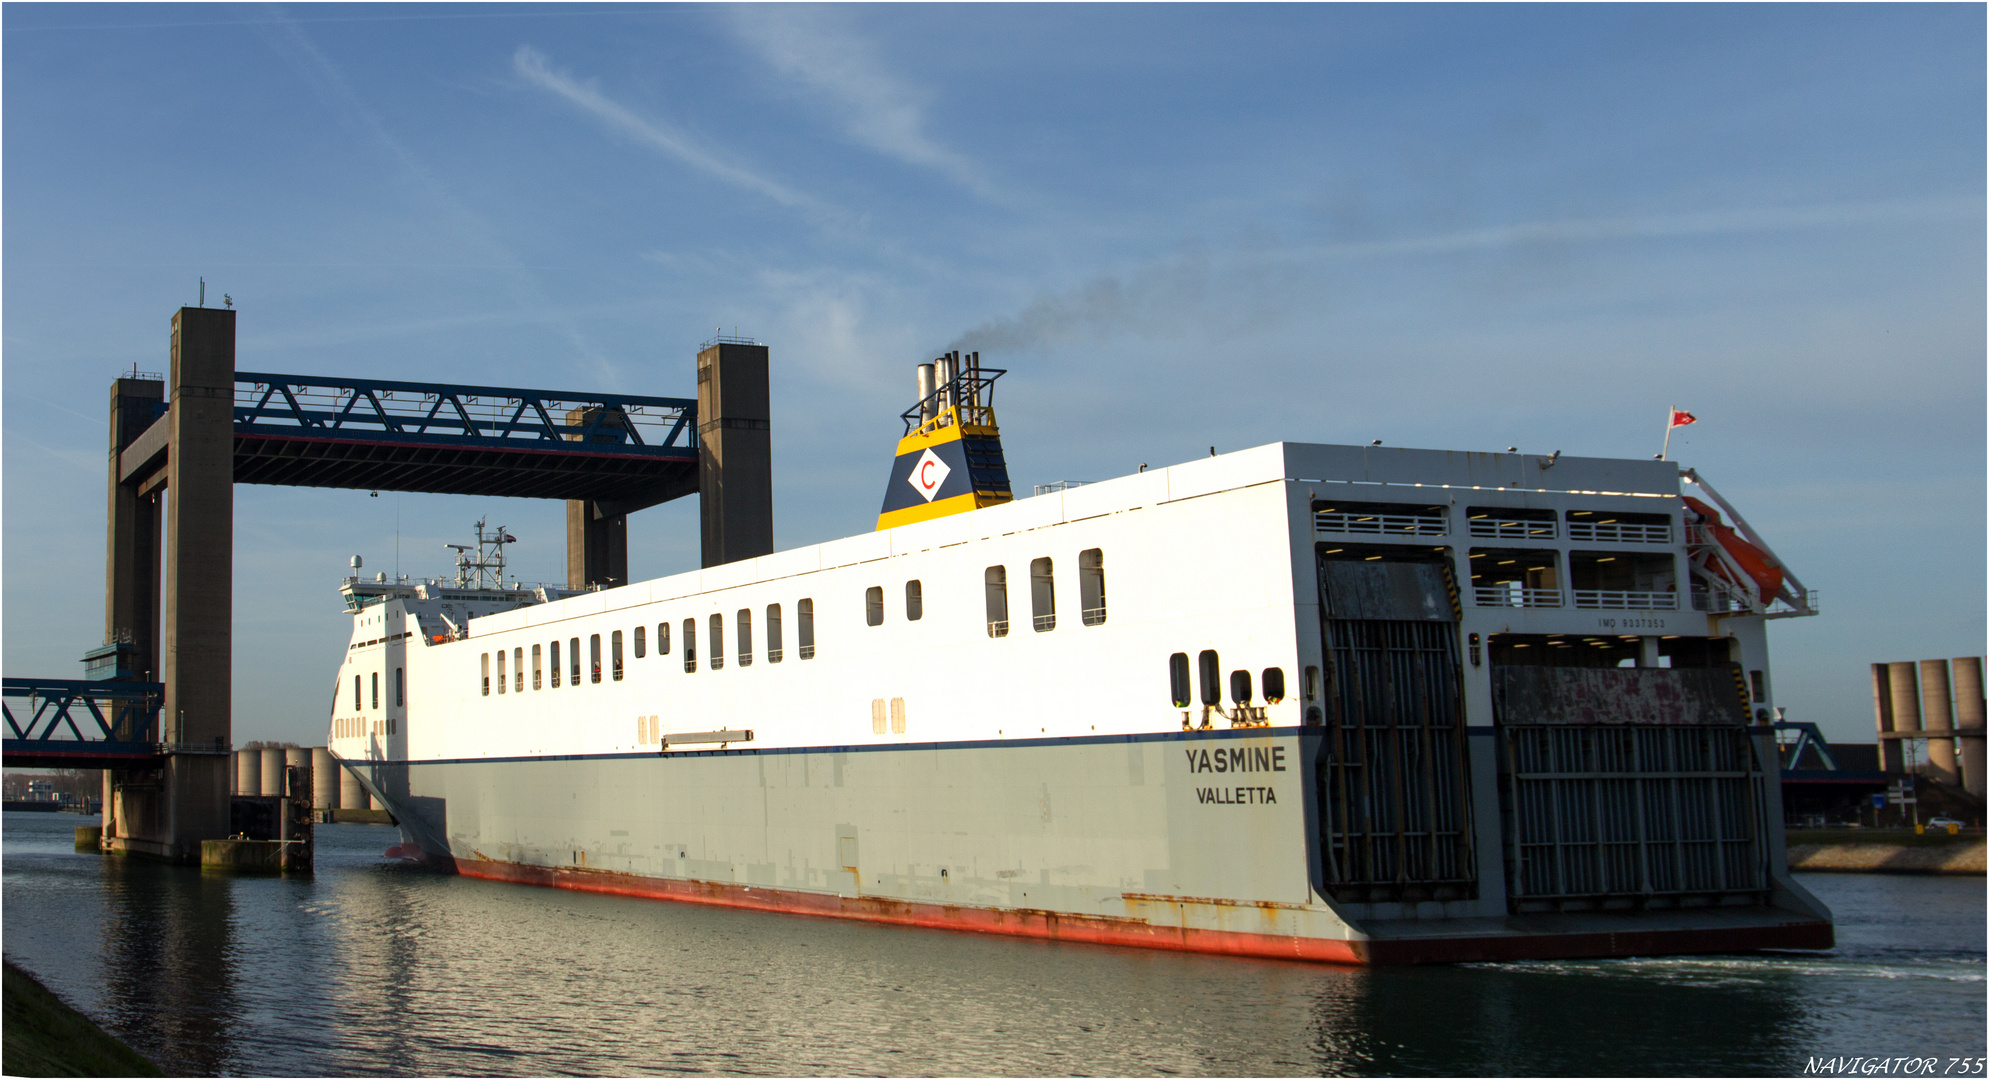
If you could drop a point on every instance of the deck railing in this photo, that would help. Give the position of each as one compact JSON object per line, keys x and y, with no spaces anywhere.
{"x":1512,"y":594}
{"x":1619,"y":533}
{"x":1380,"y":524}
{"x":1509,"y":529}
{"x":1626,"y":600}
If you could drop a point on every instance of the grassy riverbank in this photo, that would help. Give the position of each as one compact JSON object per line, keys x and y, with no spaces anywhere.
{"x":43,"y":1036}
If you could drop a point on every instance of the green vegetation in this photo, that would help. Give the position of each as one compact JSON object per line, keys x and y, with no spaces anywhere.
{"x":42,"y":1036}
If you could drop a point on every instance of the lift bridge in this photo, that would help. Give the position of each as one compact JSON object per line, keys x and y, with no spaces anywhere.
{"x":155,"y":708}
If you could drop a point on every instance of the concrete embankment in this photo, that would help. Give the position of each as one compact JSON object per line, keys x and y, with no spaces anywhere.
{"x":43,"y":1036}
{"x":1872,"y":851}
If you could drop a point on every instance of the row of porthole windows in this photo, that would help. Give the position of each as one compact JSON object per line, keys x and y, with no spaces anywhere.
{"x":1209,"y":666}
{"x":546,"y":660}
{"x":400,"y":690}
{"x":1043,"y":593}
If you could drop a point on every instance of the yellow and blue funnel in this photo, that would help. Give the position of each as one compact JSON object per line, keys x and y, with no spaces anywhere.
{"x":950,"y":460}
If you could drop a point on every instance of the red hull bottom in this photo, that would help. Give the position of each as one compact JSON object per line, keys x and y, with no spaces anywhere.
{"x":1093,"y":930}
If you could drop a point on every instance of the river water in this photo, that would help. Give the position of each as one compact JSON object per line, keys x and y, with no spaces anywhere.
{"x":376,"y":967}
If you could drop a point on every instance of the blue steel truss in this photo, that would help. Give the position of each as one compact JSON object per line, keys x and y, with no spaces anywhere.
{"x":78,"y":721}
{"x":480,"y":416}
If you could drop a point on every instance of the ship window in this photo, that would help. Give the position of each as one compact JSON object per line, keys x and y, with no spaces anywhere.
{"x":573,"y":661}
{"x":1042,"y":596}
{"x":804,"y":632}
{"x":717,"y":641}
{"x":400,"y":687}
{"x":1311,"y":683}
{"x":518,"y":669}
{"x":1091,"y":586}
{"x":914,"y":601}
{"x":873,"y":605}
{"x":615,"y":655}
{"x":690,"y":644}
{"x":1211,"y":677}
{"x":641,"y":641}
{"x":1239,"y":686}
{"x":1177,"y":680}
{"x":538,"y":669}
{"x":376,"y":689}
{"x":552,"y":661}
{"x":662,"y":639}
{"x":745,"y":635}
{"x":773,"y":633}
{"x":501,"y":682}
{"x":1274,"y":684}
{"x":593,"y":658}
{"x":486,"y":682}
{"x":997,"y":582}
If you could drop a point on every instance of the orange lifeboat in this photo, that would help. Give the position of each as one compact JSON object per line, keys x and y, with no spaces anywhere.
{"x":1756,"y":563}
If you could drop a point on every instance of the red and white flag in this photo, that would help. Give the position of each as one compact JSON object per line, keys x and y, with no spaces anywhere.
{"x":1680,"y":418}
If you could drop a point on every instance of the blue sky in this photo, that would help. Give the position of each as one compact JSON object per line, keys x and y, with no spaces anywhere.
{"x":1178,"y":226}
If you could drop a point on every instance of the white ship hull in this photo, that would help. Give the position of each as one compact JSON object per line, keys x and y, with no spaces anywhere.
{"x":1397,"y":803}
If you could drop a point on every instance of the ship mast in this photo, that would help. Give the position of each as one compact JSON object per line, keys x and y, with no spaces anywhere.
{"x":485,"y":569}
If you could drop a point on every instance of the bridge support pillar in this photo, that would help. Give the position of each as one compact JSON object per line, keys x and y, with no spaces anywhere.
{"x":167,"y":812}
{"x":735,"y":452}
{"x":596,"y":546}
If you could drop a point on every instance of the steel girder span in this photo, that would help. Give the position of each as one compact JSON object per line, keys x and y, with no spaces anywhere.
{"x":622,"y":452}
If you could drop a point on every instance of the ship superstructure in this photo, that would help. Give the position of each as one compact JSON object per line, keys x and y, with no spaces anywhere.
{"x":1354,"y":704}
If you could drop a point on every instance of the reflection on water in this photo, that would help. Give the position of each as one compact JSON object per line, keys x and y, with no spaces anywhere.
{"x":372,"y":967}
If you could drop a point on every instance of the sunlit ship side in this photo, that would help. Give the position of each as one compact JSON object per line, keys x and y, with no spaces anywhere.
{"x":1346,"y":704}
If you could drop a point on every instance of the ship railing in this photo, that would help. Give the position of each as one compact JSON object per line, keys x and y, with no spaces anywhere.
{"x":1380,"y":524}
{"x":773,"y":656}
{"x":1512,"y":594}
{"x":1509,"y":529}
{"x":807,"y":652}
{"x":1626,"y":600}
{"x":1619,"y":533}
{"x":1717,"y":602}
{"x":1093,"y":616}
{"x":997,"y":627}
{"x":1044,"y":622}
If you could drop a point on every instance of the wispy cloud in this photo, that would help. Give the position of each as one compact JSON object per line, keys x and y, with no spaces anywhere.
{"x":289,"y":40}
{"x":812,"y":47}
{"x":532,"y":65}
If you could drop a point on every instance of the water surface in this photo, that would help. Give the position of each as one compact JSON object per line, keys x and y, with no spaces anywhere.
{"x":376,"y":967}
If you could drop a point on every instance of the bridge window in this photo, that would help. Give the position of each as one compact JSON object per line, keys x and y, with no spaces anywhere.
{"x":553,"y":661}
{"x":914,"y":600}
{"x":662,"y":639}
{"x":573,"y":661}
{"x":615,"y":654}
{"x":773,"y":633}
{"x":1239,"y":687}
{"x":1274,"y":684}
{"x":501,"y":680}
{"x":804,"y":632}
{"x":376,"y":689}
{"x":1042,"y":596}
{"x":996,"y":579}
{"x":518,"y":669}
{"x":745,"y":634}
{"x":1091,"y":586}
{"x":1211,"y":674}
{"x":537,"y":669}
{"x":400,"y":687}
{"x":593,"y":658}
{"x":690,"y":644}
{"x":1177,"y":680}
{"x":641,"y":633}
{"x":873,"y":605}
{"x":486,"y":682}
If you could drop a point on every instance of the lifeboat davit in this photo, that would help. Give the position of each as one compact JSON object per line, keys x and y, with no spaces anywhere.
{"x":1756,"y":563}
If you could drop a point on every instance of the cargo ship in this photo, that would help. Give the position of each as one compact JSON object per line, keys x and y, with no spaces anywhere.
{"x":1348,"y":704}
